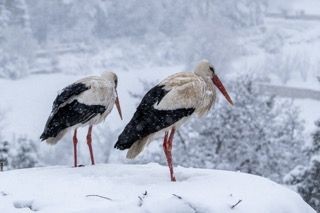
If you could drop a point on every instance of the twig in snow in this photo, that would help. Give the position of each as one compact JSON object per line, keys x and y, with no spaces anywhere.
{"x":141,"y":198}
{"x":234,"y":205}
{"x":3,"y":193}
{"x":186,"y":202}
{"x":99,"y":197}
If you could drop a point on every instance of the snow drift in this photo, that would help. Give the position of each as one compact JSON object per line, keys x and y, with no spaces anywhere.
{"x":142,"y":188}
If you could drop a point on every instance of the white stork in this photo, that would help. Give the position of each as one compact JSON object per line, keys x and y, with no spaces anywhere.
{"x":167,"y":105}
{"x":86,"y":102}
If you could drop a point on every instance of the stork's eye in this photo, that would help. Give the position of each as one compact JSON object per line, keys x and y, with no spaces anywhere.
{"x":116,"y":82}
{"x":211,"y":68}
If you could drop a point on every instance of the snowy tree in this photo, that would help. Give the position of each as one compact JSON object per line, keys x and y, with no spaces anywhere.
{"x":4,"y":151}
{"x":306,"y":179}
{"x":307,"y":182}
{"x":245,"y":13}
{"x":4,"y":145}
{"x":17,"y":46}
{"x":4,"y":16}
{"x":315,"y":148}
{"x":24,"y":154}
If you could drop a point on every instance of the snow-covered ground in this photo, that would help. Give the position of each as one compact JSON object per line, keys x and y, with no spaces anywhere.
{"x":143,"y":188}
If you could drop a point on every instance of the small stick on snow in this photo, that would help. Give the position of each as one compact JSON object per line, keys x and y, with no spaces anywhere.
{"x":142,"y":198}
{"x":99,"y":197}
{"x":233,"y":206}
{"x":3,"y":193}
{"x":186,"y":202}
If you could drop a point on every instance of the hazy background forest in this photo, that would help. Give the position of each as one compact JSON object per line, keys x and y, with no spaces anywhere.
{"x":267,"y":52}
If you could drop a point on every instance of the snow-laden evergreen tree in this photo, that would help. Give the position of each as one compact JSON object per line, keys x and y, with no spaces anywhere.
{"x":4,"y":152}
{"x":306,"y":179}
{"x":309,"y":187}
{"x":315,"y":148}
{"x":4,"y":145}
{"x":24,"y":154}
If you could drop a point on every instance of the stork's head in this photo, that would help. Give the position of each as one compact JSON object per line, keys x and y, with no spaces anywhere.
{"x":112,"y":77}
{"x":206,"y":70}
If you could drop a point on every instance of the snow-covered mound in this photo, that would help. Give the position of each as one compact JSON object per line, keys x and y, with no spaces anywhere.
{"x":142,"y":188}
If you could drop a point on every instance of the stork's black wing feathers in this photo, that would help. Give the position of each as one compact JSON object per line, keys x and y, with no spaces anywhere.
{"x":69,"y":115}
{"x":68,"y":92}
{"x":147,"y":120}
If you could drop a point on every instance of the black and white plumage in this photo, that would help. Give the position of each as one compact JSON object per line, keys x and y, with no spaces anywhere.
{"x":169,"y":104}
{"x":86,"y":102}
{"x":147,"y":119}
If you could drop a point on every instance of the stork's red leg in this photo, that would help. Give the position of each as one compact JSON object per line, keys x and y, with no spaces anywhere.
{"x":89,"y":142}
{"x":167,"y":147}
{"x":75,"y":141}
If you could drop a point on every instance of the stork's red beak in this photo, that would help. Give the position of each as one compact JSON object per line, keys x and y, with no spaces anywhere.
{"x":117,"y":102}
{"x":220,"y":86}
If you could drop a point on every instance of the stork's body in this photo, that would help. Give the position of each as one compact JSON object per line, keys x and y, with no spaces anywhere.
{"x":169,"y":104}
{"x":86,"y":102}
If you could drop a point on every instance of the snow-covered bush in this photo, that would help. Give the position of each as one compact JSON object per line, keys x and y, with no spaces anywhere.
{"x":23,"y":154}
{"x":315,"y":148}
{"x":306,"y":179}
{"x":4,"y":152}
{"x":12,"y":66}
{"x":307,"y":182}
{"x":4,"y":146}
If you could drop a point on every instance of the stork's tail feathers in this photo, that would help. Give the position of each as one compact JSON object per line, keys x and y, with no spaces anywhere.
{"x":52,"y":140}
{"x":136,"y":148}
{"x":130,"y":140}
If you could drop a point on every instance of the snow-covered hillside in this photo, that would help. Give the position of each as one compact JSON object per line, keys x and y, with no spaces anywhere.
{"x":142,"y":188}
